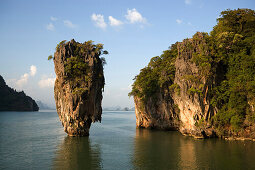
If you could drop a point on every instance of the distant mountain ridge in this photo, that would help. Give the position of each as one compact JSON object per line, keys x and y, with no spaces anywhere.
{"x":11,"y":100}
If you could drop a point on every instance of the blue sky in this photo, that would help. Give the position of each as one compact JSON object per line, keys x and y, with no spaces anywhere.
{"x":133,"y":31}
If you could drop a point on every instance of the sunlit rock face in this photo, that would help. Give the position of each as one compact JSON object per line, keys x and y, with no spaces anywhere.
{"x":78,"y":86}
{"x":183,"y":109}
{"x":194,"y":106}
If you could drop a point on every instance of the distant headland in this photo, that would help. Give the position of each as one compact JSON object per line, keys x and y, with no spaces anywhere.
{"x":11,"y":100}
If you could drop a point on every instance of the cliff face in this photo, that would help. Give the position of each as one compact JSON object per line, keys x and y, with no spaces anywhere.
{"x":203,"y":86}
{"x":187,"y":103}
{"x":10,"y":100}
{"x":193,"y":99}
{"x":78,"y":86}
{"x":158,"y":112}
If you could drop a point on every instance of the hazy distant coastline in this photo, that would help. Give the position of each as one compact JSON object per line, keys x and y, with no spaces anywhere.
{"x":118,"y":108}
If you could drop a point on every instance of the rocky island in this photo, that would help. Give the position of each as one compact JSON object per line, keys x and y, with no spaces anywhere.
{"x":203,"y":86}
{"x":79,"y":85}
{"x":11,"y":100}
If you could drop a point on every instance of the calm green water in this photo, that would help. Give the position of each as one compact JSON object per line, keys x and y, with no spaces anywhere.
{"x":35,"y":140}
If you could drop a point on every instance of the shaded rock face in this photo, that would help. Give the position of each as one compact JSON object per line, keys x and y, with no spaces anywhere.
{"x":11,"y":100}
{"x":78,"y":98}
{"x":157,"y":114}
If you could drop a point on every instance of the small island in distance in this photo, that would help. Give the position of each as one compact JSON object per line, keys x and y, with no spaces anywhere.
{"x":11,"y":100}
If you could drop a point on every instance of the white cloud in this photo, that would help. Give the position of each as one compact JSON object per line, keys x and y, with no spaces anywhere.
{"x":179,"y":21}
{"x":19,"y":83}
{"x":53,"y":19}
{"x":69,"y":24}
{"x":114,"y":22}
{"x":46,"y":82}
{"x":50,"y":27}
{"x":32,"y":70}
{"x":187,"y":2}
{"x":133,"y":16}
{"x":99,"y":20}
{"x":23,"y":80}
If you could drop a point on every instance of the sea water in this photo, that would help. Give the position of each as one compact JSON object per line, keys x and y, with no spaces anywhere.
{"x":36,"y":140}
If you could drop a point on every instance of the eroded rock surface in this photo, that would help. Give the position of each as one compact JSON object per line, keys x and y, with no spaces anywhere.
{"x":79,"y":85}
{"x":158,"y":114}
{"x":193,"y":100}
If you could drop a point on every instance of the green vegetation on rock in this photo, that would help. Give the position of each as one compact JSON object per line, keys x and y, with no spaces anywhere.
{"x":77,"y":69}
{"x":79,"y":84}
{"x":159,"y":72}
{"x":225,"y":58}
{"x":50,"y":57}
{"x":234,"y":44}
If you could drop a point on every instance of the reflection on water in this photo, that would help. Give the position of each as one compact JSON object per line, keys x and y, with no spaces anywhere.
{"x":187,"y":157}
{"x":77,"y":153}
{"x":161,"y":150}
{"x":221,"y":154}
{"x":171,"y":150}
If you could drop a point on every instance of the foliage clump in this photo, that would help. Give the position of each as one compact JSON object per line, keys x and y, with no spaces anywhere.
{"x":77,"y":69}
{"x":159,"y":72}
{"x":234,"y":49}
{"x":50,"y":57}
{"x":60,"y":44}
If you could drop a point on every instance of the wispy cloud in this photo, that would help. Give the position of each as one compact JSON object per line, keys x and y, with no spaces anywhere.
{"x":19,"y":83}
{"x":50,"y":27}
{"x":69,"y":24}
{"x":98,"y":19}
{"x":114,"y":22}
{"x":33,"y":70}
{"x":53,"y":18}
{"x":46,"y":81}
{"x":187,"y":2}
{"x":133,"y":16}
{"x":178,"y":21}
{"x":22,"y":81}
